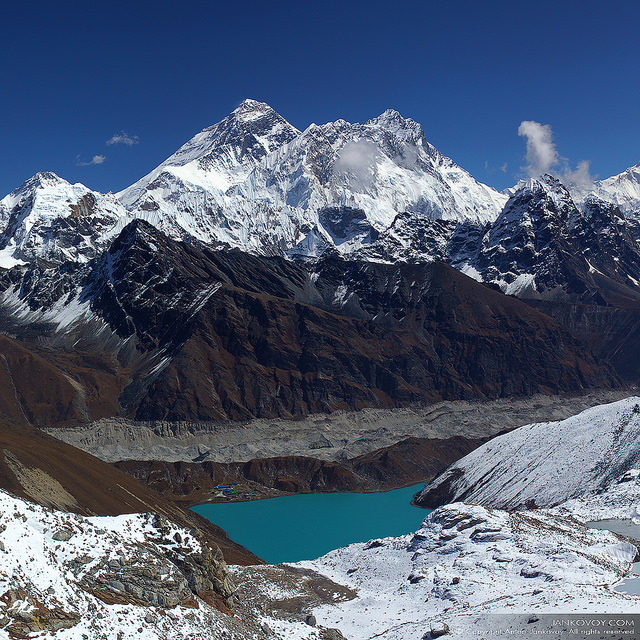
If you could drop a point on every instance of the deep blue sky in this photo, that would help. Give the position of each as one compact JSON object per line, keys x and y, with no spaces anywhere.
{"x":74,"y":74}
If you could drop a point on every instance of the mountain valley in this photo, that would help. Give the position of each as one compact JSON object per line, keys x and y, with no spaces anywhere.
{"x":336,"y":309}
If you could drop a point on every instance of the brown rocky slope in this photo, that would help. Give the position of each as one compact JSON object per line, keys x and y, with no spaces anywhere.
{"x":440,"y":336}
{"x":170,"y":331}
{"x":47,"y":471}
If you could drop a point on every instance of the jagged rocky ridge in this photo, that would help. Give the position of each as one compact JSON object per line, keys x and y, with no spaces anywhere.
{"x":541,"y":246}
{"x":374,"y":191}
{"x":166,"y":330}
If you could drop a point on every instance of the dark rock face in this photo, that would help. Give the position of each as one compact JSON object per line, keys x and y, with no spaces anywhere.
{"x":346,"y":223}
{"x":574,"y":256}
{"x":144,"y":578}
{"x":205,"y":335}
{"x":264,"y":356}
{"x":612,"y":333}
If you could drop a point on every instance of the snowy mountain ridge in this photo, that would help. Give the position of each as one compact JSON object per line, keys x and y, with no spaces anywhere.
{"x":623,"y":190}
{"x":377,"y":191}
{"x":545,"y":464}
{"x":254,"y":182}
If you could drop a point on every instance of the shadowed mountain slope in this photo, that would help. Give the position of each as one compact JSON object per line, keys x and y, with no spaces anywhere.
{"x":176,"y":332}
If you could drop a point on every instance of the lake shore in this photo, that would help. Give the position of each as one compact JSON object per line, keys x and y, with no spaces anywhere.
{"x":366,"y":451}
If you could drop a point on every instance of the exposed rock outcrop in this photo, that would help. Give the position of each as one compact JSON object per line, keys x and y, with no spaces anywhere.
{"x":168,"y":331}
{"x":22,"y":614}
{"x":168,"y":570}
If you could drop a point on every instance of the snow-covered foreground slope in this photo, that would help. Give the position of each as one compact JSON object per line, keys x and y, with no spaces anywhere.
{"x":467,"y":568}
{"x":547,"y":463}
{"x":472,"y":569}
{"x":131,"y":576}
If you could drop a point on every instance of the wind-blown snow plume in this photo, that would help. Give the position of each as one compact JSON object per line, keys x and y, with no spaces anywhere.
{"x":542,"y":157}
{"x":541,"y":151}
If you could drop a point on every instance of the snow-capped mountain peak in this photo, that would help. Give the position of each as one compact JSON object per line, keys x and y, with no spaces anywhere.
{"x":29,"y":188}
{"x":250,"y":109}
{"x":623,"y":190}
{"x":50,"y":218}
{"x":42,"y":179}
{"x":255,"y":182}
{"x":405,"y":128}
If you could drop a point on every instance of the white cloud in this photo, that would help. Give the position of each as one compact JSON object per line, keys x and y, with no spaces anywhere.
{"x":503,"y":168}
{"x":122,"y":138}
{"x":579,"y":181}
{"x":357,"y":160}
{"x":542,"y":157}
{"x":541,"y":151}
{"x":97,"y":159}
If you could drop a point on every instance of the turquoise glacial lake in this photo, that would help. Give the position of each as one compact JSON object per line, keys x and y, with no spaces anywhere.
{"x":304,"y":527}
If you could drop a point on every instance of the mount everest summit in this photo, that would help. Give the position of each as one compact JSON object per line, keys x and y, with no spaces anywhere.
{"x":275,"y":272}
{"x":376,"y":191}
